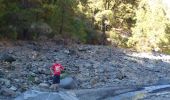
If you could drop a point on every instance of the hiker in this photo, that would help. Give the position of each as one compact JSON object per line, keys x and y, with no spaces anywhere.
{"x":56,"y":69}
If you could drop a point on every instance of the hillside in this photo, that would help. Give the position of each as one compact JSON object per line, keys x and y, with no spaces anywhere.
{"x":91,"y":66}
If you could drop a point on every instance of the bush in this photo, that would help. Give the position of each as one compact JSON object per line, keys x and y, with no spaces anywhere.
{"x":117,"y":39}
{"x":78,"y":30}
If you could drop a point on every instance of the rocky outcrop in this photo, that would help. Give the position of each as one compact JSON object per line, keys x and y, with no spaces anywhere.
{"x":84,"y":94}
{"x":39,"y":95}
{"x":7,"y":92}
{"x":156,"y":92}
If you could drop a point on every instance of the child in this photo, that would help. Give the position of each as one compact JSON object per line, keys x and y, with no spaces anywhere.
{"x":56,"y":69}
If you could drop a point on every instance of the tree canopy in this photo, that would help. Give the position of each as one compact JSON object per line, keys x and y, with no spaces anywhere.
{"x":140,"y":24}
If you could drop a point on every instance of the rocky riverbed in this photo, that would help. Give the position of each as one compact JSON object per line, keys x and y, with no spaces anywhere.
{"x":26,"y":64}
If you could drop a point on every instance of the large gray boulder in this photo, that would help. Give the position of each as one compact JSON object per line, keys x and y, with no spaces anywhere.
{"x":68,"y":83}
{"x":7,"y":92}
{"x":39,"y":95}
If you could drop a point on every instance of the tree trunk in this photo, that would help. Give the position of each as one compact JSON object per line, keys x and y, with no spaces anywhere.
{"x":103,"y":31}
{"x":108,"y":4}
{"x":62,"y":21}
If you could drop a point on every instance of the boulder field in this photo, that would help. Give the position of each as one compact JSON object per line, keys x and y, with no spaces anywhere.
{"x":25,"y":64}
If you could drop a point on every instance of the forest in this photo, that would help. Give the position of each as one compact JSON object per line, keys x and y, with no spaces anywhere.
{"x":143,"y":25}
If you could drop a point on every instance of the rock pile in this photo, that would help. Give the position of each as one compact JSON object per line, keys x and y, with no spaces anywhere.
{"x":89,"y":66}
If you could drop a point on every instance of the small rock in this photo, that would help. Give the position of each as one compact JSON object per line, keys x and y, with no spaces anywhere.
{"x":32,"y":74}
{"x":1,"y":74}
{"x":37,"y":80}
{"x":43,"y":85}
{"x":83,"y":48}
{"x":67,"y":51}
{"x":5,"y":82}
{"x":94,"y":81}
{"x":10,"y":67}
{"x":10,"y":51}
{"x":35,"y":55}
{"x":13,"y":88}
{"x":120,"y":75}
{"x":88,"y":65}
{"x":17,"y":80}
{"x":23,"y":87}
{"x":41,"y":70}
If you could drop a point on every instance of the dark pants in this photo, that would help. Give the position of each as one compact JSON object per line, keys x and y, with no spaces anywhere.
{"x":56,"y":79}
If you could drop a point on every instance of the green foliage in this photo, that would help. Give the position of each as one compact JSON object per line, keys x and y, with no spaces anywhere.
{"x":124,"y":13}
{"x":92,"y":36}
{"x":78,"y":30}
{"x":59,"y":14}
{"x":149,"y":32}
{"x":117,"y":39}
{"x":66,"y":17}
{"x":13,"y":35}
{"x":141,"y":24}
{"x":115,"y":13}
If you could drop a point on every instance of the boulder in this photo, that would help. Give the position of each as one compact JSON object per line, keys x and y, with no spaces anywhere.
{"x":6,"y":82}
{"x":44,"y":85}
{"x":83,"y":48}
{"x":121,"y":75}
{"x":24,"y":87}
{"x":8,"y":92}
{"x":13,"y":88}
{"x":36,"y":80}
{"x":39,"y":95}
{"x":43,"y":71}
{"x":7,"y":58}
{"x":88,"y":65}
{"x":1,"y":74}
{"x":68,"y":83}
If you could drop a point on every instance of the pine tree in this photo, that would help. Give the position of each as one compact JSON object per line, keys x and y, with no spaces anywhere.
{"x":149,"y":32}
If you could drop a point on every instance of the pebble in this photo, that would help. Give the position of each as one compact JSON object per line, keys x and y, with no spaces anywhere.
{"x":13,"y":88}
